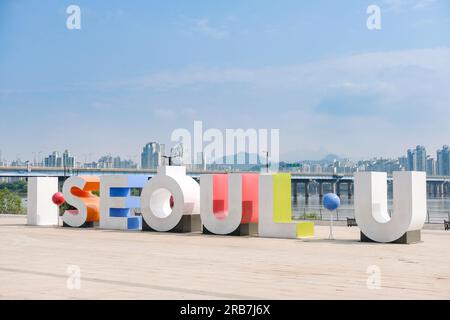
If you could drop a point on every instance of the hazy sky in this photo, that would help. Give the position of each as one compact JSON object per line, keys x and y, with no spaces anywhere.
{"x":137,"y":70}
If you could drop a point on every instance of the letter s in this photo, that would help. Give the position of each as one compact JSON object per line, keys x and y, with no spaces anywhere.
{"x":77,"y":192}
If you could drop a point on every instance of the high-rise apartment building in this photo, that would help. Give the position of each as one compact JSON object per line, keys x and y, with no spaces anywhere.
{"x":431,"y":167}
{"x":68,"y":161}
{"x":53,"y":160}
{"x":403,"y":163}
{"x":105,"y":162}
{"x":411,"y":160}
{"x":58,"y":161}
{"x":152,"y":155}
{"x":443,"y":163}
{"x":123,"y":164}
{"x":421,"y":159}
{"x":417,"y":159}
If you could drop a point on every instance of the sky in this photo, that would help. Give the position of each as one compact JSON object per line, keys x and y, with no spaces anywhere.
{"x":137,"y":70}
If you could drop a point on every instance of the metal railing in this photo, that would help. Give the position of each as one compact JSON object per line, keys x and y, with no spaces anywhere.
{"x":321,"y":214}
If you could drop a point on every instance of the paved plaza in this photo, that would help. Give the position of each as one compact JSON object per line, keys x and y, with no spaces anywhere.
{"x":43,"y":263}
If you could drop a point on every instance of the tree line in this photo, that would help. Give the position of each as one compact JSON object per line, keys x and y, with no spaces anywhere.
{"x":10,"y":200}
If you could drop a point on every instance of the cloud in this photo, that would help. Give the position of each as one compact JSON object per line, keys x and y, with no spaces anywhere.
{"x":167,"y":80}
{"x":164,"y":113}
{"x":390,"y":99}
{"x":423,"y":4}
{"x":393,"y":76}
{"x":400,"y":5}
{"x":174,"y":113}
{"x":202,"y":26}
{"x":397,"y":83}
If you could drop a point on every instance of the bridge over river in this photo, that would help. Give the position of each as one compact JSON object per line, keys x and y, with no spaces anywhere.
{"x":304,"y":182}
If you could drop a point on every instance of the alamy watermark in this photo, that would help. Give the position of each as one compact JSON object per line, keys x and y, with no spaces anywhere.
{"x":73,"y":21}
{"x":374,"y":20}
{"x":374,"y":280}
{"x":229,"y":147}
{"x":74,"y":280}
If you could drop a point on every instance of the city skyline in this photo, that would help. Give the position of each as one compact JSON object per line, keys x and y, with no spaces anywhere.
{"x":153,"y":155}
{"x":326,"y":81}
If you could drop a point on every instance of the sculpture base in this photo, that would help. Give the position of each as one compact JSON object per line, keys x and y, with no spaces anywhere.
{"x":408,"y":238}
{"x":188,"y":223}
{"x":245,"y":229}
{"x":87,"y":224}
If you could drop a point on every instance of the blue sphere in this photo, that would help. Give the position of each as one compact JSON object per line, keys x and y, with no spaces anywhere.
{"x":331,"y":201}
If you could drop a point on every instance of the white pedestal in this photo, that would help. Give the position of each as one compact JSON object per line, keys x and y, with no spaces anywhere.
{"x":41,"y":211}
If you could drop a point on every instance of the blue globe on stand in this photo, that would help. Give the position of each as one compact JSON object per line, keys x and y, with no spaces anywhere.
{"x":331,"y":201}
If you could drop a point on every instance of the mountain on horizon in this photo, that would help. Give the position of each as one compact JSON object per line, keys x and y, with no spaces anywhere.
{"x":331,"y":157}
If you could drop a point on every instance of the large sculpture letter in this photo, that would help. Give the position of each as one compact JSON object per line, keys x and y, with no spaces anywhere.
{"x":229,"y":203}
{"x":116,"y":201}
{"x":41,"y":211}
{"x":409,"y":207}
{"x":170,"y":201}
{"x":275,"y":209}
{"x":77,"y":192}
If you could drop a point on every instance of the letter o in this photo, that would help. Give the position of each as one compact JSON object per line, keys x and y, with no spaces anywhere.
{"x":155,"y":203}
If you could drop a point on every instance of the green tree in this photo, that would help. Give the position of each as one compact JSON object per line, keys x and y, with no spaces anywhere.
{"x":10,"y":202}
{"x":19,"y":187}
{"x":65,"y":206}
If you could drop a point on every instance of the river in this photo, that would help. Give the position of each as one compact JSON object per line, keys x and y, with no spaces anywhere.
{"x":438,"y":208}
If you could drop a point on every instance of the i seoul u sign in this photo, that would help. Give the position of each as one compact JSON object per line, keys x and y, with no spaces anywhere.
{"x":222,"y":204}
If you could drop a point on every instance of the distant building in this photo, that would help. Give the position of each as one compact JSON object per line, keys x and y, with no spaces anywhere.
{"x":53,"y":160}
{"x":403,"y":163}
{"x":105,"y":162}
{"x":18,"y":163}
{"x":421,"y":158}
{"x":68,"y":161}
{"x":3,"y":163}
{"x":152,"y":155}
{"x":382,"y":165}
{"x":442,"y":161}
{"x":90,"y":165}
{"x":305,"y":168}
{"x":411,"y":160}
{"x":57,"y":161}
{"x":431,"y":167}
{"x":417,"y":159}
{"x":109,"y":162}
{"x":123,"y":164}
{"x":344,"y":167}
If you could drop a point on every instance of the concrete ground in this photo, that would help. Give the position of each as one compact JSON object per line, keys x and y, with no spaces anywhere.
{"x":44,"y":263}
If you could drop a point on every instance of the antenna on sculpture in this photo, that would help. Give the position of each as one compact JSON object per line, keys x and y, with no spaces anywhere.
{"x":175,"y":152}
